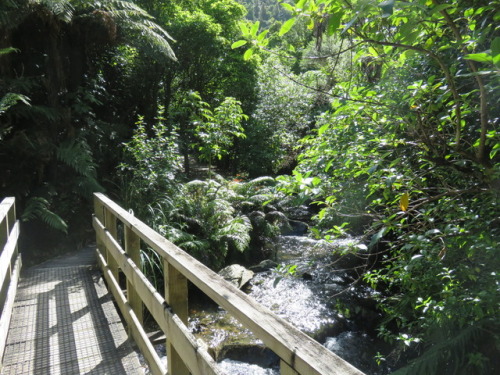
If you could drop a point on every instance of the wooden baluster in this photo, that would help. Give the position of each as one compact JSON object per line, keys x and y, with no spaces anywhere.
{"x":133,"y":249}
{"x":176,"y":295}
{"x":110,"y":223}
{"x":4,"y":236}
{"x":11,"y":215}
{"x":99,"y":214}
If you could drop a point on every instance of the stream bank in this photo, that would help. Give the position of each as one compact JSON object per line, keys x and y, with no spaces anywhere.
{"x":322,"y":296}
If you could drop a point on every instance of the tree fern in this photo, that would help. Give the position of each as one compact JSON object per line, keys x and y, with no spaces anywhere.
{"x":138,"y":24}
{"x":38,"y":208}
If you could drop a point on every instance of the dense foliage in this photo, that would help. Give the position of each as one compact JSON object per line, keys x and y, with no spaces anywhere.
{"x":382,"y":116}
{"x":409,"y":152}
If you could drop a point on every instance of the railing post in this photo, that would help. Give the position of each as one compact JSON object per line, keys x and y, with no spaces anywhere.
{"x":99,"y":214}
{"x":4,"y":237}
{"x":110,"y":224}
{"x":176,"y":295}
{"x":133,"y":249}
{"x":11,"y":216}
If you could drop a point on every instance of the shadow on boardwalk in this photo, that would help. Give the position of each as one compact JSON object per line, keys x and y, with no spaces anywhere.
{"x":64,"y":322}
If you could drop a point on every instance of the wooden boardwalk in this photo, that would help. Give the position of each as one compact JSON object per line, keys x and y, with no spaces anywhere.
{"x":64,"y":322}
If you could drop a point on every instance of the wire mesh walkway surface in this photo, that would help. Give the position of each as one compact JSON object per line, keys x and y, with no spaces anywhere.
{"x":64,"y":322}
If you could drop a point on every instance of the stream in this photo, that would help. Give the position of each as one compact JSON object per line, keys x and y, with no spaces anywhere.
{"x":322,"y":299}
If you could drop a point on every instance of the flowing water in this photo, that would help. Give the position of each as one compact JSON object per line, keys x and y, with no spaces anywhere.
{"x":322,"y":298}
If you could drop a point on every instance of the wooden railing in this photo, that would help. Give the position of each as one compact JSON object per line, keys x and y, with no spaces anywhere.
{"x":299,"y":354}
{"x":10,"y":266}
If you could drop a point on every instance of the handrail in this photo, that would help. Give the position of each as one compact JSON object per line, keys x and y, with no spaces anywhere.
{"x":299,"y":354}
{"x":10,"y":266}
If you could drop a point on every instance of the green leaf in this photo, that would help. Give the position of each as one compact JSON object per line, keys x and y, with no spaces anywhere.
{"x":288,"y":7}
{"x":349,"y":24}
{"x":277,"y":280}
{"x":323,"y":129}
{"x":300,"y":4}
{"x":244,"y":28}
{"x":248,"y":54}
{"x":495,"y":50}
{"x":286,"y":26}
{"x":238,"y":43}
{"x":334,"y":22}
{"x":439,"y":8}
{"x":262,"y":35}
{"x":376,"y":237}
{"x":480,"y":57}
{"x":255,"y":28}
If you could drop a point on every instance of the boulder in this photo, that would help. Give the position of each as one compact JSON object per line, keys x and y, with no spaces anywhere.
{"x":294,"y":228}
{"x":236,"y":275}
{"x":265,"y":265}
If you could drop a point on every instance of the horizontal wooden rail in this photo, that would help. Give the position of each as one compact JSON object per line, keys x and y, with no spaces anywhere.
{"x":299,"y":353}
{"x":10,"y":266}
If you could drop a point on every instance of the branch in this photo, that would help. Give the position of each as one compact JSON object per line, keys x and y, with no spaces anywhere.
{"x":327,"y":92}
{"x":481,"y":152}
{"x":447,"y":73}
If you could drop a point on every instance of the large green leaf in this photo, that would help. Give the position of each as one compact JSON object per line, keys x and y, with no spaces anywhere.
{"x":238,"y":43}
{"x":287,"y":26}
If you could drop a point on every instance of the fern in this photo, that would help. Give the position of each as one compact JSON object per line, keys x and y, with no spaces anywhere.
{"x":7,"y":50}
{"x":86,"y":186}
{"x":10,"y":99}
{"x":62,"y":9}
{"x":77,"y":155}
{"x":237,"y":233}
{"x":38,"y":208}
{"x":140,"y":27}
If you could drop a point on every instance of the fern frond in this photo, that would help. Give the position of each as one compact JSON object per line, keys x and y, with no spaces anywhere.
{"x":86,"y":186}
{"x":237,"y":232}
{"x":10,"y":99}
{"x":38,"y":208}
{"x":7,"y":50}
{"x":196,"y":184}
{"x":61,"y":9}
{"x":125,"y":5}
{"x":77,"y":155}
{"x":262,"y":181}
{"x":259,"y":199}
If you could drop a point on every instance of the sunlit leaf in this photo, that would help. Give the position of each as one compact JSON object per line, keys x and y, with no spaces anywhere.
{"x":404,"y":202}
{"x":288,"y":7}
{"x":248,"y":54}
{"x":255,"y":28}
{"x":262,"y":35}
{"x":286,"y":26}
{"x":479,"y":57}
{"x":349,"y":24}
{"x":238,"y":43}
